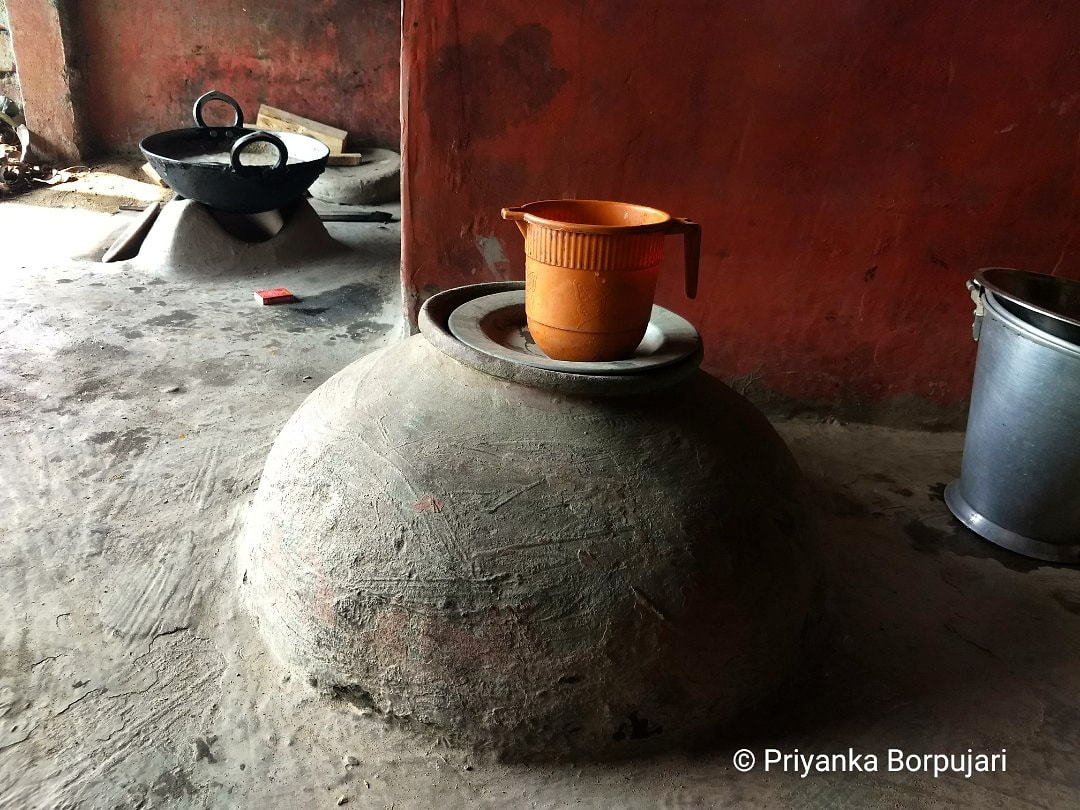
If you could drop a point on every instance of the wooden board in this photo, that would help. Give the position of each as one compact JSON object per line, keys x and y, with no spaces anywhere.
{"x":148,"y":170}
{"x":273,"y":118}
{"x":345,"y":159}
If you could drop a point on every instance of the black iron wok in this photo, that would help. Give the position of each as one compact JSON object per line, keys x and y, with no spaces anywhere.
{"x":203,"y":163}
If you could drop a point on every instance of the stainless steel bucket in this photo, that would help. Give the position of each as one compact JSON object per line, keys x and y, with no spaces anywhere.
{"x":1019,"y":483}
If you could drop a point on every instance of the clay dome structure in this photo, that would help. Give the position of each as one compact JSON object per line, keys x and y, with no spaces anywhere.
{"x":531,"y":562}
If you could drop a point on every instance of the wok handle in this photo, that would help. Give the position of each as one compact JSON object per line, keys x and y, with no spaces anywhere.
{"x":215,"y":95}
{"x":255,"y":137}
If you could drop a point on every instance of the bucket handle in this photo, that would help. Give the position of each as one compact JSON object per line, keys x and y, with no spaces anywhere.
{"x":976,"y":290}
{"x":690,"y":230}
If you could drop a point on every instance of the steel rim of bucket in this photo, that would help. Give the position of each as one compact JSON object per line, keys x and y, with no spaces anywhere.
{"x":982,"y":281}
{"x":1030,"y":332}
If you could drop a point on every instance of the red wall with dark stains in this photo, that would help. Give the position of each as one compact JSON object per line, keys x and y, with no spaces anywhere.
{"x":851,"y":164}
{"x":143,"y":63}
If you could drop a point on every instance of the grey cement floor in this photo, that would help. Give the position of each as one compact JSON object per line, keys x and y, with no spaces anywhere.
{"x":136,"y":408}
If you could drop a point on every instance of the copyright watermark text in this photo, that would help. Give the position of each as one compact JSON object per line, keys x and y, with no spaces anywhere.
{"x":893,"y":760}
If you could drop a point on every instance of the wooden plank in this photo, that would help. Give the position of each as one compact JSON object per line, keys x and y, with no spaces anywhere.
{"x":300,"y":121}
{"x":128,"y":244}
{"x":273,"y":118}
{"x":148,"y":170}
{"x":345,"y":159}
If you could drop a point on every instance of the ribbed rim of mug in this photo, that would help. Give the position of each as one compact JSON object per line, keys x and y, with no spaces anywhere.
{"x":558,"y":225}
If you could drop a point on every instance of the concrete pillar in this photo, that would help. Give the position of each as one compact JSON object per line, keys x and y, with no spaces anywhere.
{"x":42,"y":58}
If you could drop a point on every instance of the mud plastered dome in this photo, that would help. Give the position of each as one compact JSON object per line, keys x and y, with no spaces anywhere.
{"x":531,"y":569}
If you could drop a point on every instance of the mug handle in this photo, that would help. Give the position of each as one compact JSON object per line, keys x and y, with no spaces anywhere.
{"x":691,"y":232}
{"x":517,"y":215}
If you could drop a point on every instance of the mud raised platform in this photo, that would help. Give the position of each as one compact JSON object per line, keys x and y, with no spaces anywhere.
{"x":526,"y":569}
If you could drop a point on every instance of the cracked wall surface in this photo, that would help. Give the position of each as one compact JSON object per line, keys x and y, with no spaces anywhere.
{"x":9,"y":78}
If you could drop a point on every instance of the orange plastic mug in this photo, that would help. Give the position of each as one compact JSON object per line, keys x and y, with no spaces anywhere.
{"x":590,"y":273}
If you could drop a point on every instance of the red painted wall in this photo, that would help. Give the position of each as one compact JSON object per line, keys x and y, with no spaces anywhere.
{"x":143,"y":62}
{"x":851,"y":164}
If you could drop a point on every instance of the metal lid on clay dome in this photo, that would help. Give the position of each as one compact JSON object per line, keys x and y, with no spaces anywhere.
{"x":1054,"y":297}
{"x":498,"y":326}
{"x":512,"y":363}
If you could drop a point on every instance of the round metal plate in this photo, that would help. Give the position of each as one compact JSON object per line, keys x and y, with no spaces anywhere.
{"x":496,"y":325}
{"x":987,"y":529}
